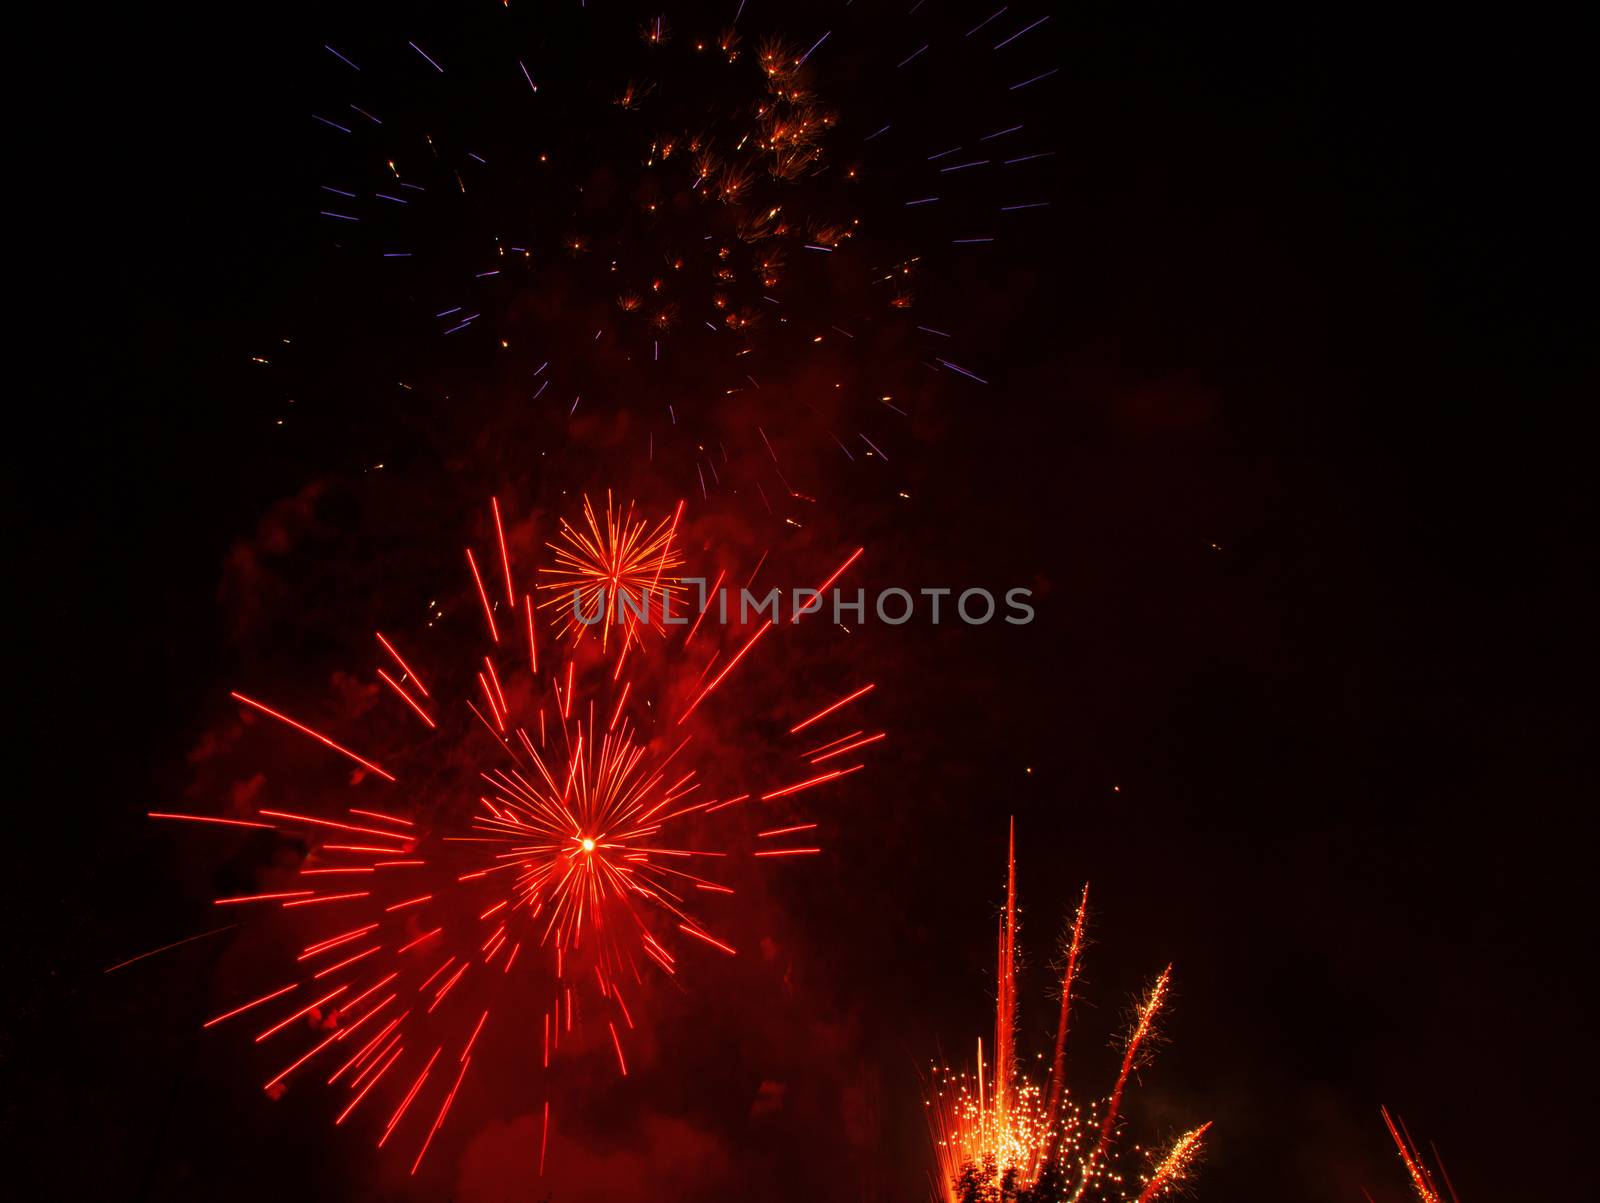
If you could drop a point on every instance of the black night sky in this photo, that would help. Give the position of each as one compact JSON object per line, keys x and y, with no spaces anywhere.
{"x":1282,"y":427}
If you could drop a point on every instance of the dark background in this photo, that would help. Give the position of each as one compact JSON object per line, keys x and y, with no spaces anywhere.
{"x":1316,"y":298}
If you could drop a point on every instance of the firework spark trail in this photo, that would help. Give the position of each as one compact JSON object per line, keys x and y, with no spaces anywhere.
{"x":1176,"y":1165}
{"x":186,"y":939}
{"x":1143,"y":1024}
{"x":1058,"y":1061}
{"x":1421,"y":1177}
{"x":1005,"y":1035}
{"x":569,"y":854}
{"x":316,"y":735}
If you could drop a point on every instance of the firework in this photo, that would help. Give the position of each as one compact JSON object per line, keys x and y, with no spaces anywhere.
{"x":998,"y":1136}
{"x":616,"y":572}
{"x":719,"y":237}
{"x":561,"y":859}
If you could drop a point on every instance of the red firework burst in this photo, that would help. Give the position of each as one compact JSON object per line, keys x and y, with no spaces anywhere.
{"x":569,"y":857}
{"x":614,"y":573}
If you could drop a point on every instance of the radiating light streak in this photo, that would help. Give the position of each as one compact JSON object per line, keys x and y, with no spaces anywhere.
{"x":156,"y":814}
{"x":810,"y":783}
{"x":169,"y":947}
{"x":827,"y":710}
{"x":316,"y":735}
{"x":279,"y":993}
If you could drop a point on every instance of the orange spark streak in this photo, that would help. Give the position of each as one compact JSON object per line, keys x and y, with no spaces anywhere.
{"x":156,"y":814}
{"x":704,"y":609}
{"x":334,"y":942}
{"x":361,"y":1053}
{"x":360,"y":956}
{"x":406,"y":1102}
{"x":533,"y":642}
{"x":473,"y":1038}
{"x":404,"y":667}
{"x":443,"y":1111}
{"x":395,"y":1057}
{"x":256,"y":1003}
{"x":700,"y":935}
{"x":284,"y":814}
{"x":261,"y":897}
{"x":1174,"y":1165}
{"x":168,"y":947}
{"x":794,"y":789}
{"x":327,"y":898}
{"x":838,"y":572}
{"x":760,"y":631}
{"x":488,"y":611}
{"x":378,"y":814}
{"x":618,"y":1042}
{"x":300,"y":1014}
{"x":316,"y":735}
{"x":544,"y":1137}
{"x":849,"y":747}
{"x":406,"y":697}
{"x":827,"y":710}
{"x":505,"y":556}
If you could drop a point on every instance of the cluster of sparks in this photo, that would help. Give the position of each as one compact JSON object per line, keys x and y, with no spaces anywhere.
{"x":613,"y":572}
{"x":572,"y":872}
{"x":1000,"y":1137}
